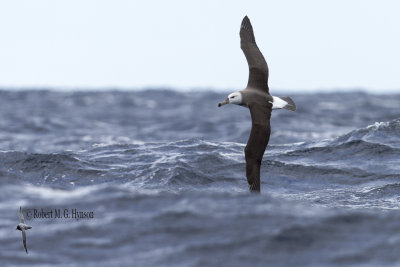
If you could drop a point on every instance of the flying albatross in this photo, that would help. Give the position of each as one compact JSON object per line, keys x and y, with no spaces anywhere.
{"x":256,"y":97}
{"x":23,"y":227}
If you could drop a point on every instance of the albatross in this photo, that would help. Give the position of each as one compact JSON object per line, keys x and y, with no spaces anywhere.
{"x":23,"y":227}
{"x":257,"y":99}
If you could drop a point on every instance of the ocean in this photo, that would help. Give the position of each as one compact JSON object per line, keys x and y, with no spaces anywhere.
{"x":157,"y":178}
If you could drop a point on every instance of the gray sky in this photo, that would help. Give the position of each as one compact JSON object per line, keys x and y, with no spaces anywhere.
{"x":308,"y":44}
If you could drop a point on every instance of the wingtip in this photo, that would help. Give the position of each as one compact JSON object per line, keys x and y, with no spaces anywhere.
{"x":246,"y":30}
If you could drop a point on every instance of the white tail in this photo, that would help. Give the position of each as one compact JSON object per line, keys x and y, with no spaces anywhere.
{"x":283,"y":102}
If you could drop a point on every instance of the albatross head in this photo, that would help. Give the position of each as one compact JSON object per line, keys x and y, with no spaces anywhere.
{"x":234,"y":98}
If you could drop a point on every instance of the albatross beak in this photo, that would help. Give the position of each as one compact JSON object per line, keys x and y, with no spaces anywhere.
{"x":226,"y":101}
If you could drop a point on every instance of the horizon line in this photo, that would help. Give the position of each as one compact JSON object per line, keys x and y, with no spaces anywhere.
{"x":332,"y":89}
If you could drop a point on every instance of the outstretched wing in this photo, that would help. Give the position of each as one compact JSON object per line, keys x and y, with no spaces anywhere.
{"x":21,"y":216}
{"x":24,"y":239}
{"x":257,"y":143}
{"x":258,"y":68}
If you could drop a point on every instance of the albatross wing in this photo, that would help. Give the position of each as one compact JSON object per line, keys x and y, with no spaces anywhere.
{"x":257,"y":143}
{"x":24,"y":239}
{"x":258,"y":68}
{"x":21,"y":216}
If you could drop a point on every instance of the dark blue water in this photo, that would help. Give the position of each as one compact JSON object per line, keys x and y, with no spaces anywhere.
{"x":163,"y":174}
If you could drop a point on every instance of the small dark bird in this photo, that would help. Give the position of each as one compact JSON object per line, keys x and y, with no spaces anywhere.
{"x":23,"y":227}
{"x":256,"y":97}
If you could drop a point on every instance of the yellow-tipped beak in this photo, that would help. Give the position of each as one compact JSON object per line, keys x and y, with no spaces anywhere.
{"x":226,"y":101}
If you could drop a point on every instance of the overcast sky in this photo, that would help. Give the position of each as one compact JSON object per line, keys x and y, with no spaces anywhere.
{"x":308,"y":44}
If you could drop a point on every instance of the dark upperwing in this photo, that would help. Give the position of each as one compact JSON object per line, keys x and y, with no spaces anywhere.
{"x":257,"y":143}
{"x":258,"y":68}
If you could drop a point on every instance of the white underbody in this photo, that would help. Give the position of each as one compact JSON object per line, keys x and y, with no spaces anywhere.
{"x":278,"y":102}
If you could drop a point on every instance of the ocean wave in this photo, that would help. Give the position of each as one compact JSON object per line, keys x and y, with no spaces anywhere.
{"x":181,"y":163}
{"x":379,"y":132}
{"x":355,"y":157}
{"x":369,"y":153}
